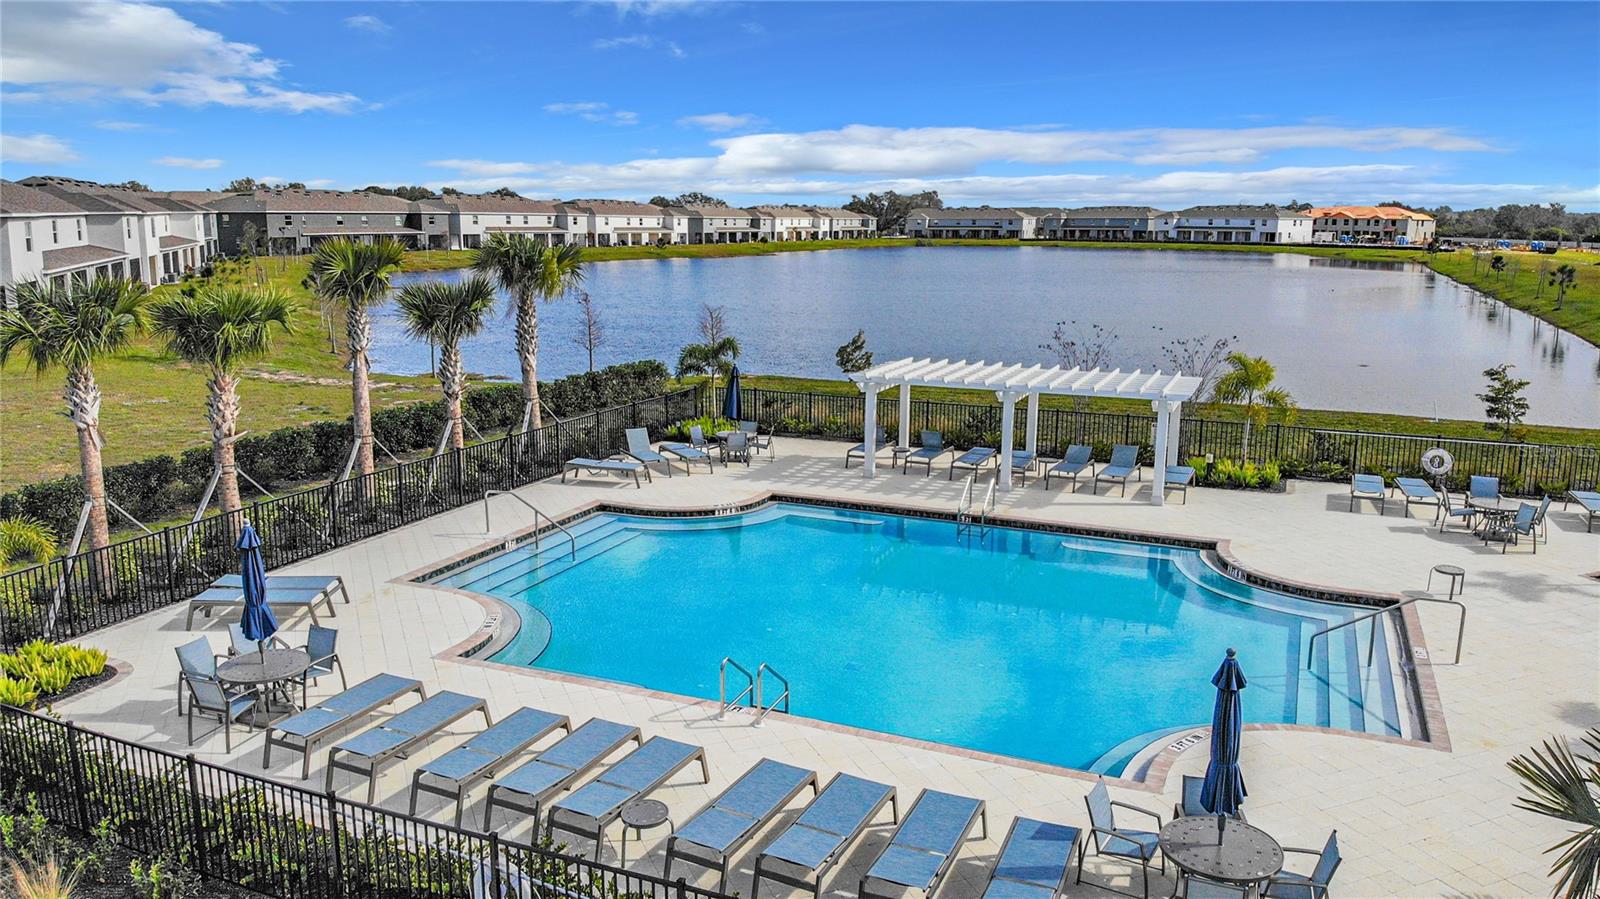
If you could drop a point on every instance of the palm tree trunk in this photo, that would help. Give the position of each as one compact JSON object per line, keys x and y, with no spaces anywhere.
{"x":83,"y":404}
{"x":527,"y":335}
{"x":358,"y":331}
{"x":223,"y":410}
{"x":1246,"y":446}
{"x":452,"y":379}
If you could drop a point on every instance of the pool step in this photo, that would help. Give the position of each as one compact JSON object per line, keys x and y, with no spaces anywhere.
{"x":485,"y":575}
{"x":555,"y":565}
{"x":509,"y":577}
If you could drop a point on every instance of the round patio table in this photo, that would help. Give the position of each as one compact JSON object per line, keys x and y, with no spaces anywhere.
{"x":265,"y":669}
{"x":1245,"y":854}
{"x":1494,"y":503}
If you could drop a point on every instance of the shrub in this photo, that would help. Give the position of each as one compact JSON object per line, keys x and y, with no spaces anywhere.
{"x":39,"y":668}
{"x":19,"y":693}
{"x":709,"y":426}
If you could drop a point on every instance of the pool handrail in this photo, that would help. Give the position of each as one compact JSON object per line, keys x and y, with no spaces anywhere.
{"x":722,"y":686}
{"x":1412,"y":596}
{"x":572,"y":541}
{"x":761,"y":708}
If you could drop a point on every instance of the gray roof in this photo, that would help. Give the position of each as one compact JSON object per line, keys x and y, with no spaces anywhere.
{"x":970,"y":212}
{"x":173,"y":241}
{"x":311,"y":201}
{"x":1237,"y":211}
{"x":837,"y":212}
{"x":613,"y":207}
{"x":75,"y":257}
{"x":1111,"y":212}
{"x":20,"y":199}
{"x":495,"y":203}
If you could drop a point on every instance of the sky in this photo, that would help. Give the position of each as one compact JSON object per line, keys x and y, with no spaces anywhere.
{"x":1060,"y":104}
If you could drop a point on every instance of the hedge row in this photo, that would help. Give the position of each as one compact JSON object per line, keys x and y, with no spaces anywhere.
{"x":156,"y":487}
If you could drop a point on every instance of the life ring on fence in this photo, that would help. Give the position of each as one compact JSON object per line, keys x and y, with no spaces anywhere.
{"x":1438,"y":462}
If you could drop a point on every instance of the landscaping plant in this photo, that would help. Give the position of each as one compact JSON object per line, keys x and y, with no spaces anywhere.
{"x":1565,"y":785}
{"x":1503,"y":402}
{"x":530,"y":272}
{"x":24,"y":538}
{"x":446,"y":314}
{"x":1249,"y":382}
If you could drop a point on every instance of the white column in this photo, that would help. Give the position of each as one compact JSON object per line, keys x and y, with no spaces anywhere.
{"x":1175,"y":422}
{"x":1008,"y":423}
{"x":869,"y":431}
{"x":1158,"y":482}
{"x":1033,"y":422}
{"x":905,"y":416}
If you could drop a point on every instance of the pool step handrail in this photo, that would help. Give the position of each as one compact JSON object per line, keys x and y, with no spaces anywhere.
{"x":724,"y":703}
{"x":1413,"y":596}
{"x":762,"y":709}
{"x":572,"y":541}
{"x":964,"y":514}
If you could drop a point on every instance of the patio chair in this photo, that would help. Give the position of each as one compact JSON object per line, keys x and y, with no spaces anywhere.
{"x":880,"y":442}
{"x":1525,"y":522}
{"x":1417,"y":492}
{"x":928,"y":453}
{"x":195,"y":659}
{"x":688,"y":455}
{"x":554,"y":769}
{"x":1180,"y":478}
{"x":588,"y":810}
{"x":1448,"y":513}
{"x":697,"y":438}
{"x":1368,"y":486}
{"x":1483,"y":487}
{"x":1078,"y":458}
{"x":328,"y":583}
{"x":1283,"y":885}
{"x":307,"y":730}
{"x":1034,"y":861}
{"x":639,"y":449}
{"x":973,"y":460}
{"x":239,"y":644}
{"x":817,"y":840}
{"x":1188,"y":806}
{"x":399,"y":736}
{"x":736,"y":448}
{"x":1123,"y":465}
{"x":712,"y":835}
{"x":215,"y":699}
{"x":451,"y":775}
{"x":602,"y":466}
{"x":322,"y":647}
{"x":758,"y":440}
{"x":1109,"y":839}
{"x":1589,"y":501}
{"x":922,"y":850}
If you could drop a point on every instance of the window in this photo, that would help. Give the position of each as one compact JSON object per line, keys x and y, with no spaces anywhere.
{"x":399,"y":220}
{"x":79,"y":223}
{"x":430,"y":219}
{"x":524,"y":220}
{"x":152,"y":227}
{"x":127,"y":228}
{"x":288,"y":220}
{"x":363,"y":220}
{"x":338,"y":220}
{"x":27,"y":236}
{"x":55,"y":237}
{"x":474,"y":220}
{"x":224,"y":218}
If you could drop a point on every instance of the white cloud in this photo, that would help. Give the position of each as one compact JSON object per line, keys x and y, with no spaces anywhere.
{"x":185,"y":162}
{"x":591,"y":111}
{"x":35,"y":148}
{"x":720,"y":121}
{"x":75,"y":51}
{"x":639,"y":42}
{"x":483,"y":168}
{"x":368,"y":23}
{"x":114,"y":125}
{"x":653,"y":9}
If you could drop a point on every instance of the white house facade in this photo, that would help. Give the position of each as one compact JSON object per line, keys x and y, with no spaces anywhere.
{"x":972,"y":222}
{"x":1240,"y":224}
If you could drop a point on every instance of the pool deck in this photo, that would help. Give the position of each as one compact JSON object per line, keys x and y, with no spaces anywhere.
{"x":1412,"y":820}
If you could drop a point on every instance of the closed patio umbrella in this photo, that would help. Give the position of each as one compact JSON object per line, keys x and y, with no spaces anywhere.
{"x":257,"y":623}
{"x":1224,"y":791}
{"x":730,"y":398}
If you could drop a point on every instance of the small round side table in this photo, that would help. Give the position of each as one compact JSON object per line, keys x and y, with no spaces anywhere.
{"x":1457,"y":576}
{"x":641,"y":815}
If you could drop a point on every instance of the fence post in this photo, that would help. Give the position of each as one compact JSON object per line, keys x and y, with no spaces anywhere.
{"x":495,"y":888}
{"x":168,"y":554}
{"x":334,"y":827}
{"x":679,"y":886}
{"x":195,"y":831}
{"x":79,"y":779}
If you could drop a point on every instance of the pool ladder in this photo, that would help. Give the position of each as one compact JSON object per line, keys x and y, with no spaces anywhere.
{"x":969,"y":515}
{"x":752,"y":689}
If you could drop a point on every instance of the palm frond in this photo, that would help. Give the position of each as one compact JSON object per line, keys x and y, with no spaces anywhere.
{"x":446,"y":313}
{"x":1559,"y":787}
{"x":73,"y":324}
{"x":222,"y":326}
{"x":355,"y":274}
{"x":25,"y":537}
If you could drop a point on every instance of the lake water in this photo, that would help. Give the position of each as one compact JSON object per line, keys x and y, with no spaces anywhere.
{"x":1389,"y":337}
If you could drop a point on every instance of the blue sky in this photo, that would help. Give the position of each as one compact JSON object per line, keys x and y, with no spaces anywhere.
{"x":1058,"y":104}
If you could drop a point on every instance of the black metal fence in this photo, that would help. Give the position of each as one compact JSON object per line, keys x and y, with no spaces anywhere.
{"x":283,"y":840}
{"x":76,"y":594}
{"x":1314,"y":453}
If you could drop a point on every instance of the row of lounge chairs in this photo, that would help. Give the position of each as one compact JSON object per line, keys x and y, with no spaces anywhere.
{"x":636,"y":459}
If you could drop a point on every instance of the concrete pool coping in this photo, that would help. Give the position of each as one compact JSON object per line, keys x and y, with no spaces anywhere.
{"x":1426,"y":706}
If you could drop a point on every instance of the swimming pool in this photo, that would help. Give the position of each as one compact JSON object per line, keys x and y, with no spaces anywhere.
{"x":1065,"y":650}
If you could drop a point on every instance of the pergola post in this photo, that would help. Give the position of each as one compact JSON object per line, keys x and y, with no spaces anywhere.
{"x":1175,"y":423}
{"x":1158,"y":480}
{"x":905,"y":417}
{"x":1033,"y":423}
{"x":1008,"y":424}
{"x":869,"y":430}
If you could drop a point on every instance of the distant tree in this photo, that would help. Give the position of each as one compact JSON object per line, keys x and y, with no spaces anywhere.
{"x":242,"y":185}
{"x":1249,"y":382}
{"x":854,"y":355}
{"x":446,"y":314}
{"x":692,"y":198}
{"x":504,"y":192}
{"x":449,"y":192}
{"x":1565,"y":276}
{"x":290,"y":185}
{"x":1497,"y":264}
{"x":714,"y":355}
{"x":891,"y":209}
{"x":1295,"y":206}
{"x":131,"y":185}
{"x":591,"y":327}
{"x":1503,"y":402}
{"x":414,"y":192}
{"x":1200,"y":357}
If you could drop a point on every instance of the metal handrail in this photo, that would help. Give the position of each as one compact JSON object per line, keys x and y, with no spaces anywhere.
{"x":722,"y":685}
{"x":1461,"y":626}
{"x":572,"y":541}
{"x":989,"y":501}
{"x":762,"y":709}
{"x":964,"y":507}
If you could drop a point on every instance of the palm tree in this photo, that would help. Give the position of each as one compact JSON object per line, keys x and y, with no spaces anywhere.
{"x":219,"y":328}
{"x":530,"y":272}
{"x":446,"y":314}
{"x":70,"y":326}
{"x":715,"y":358}
{"x":1562,"y":278}
{"x":354,"y":277}
{"x":1249,"y":381}
{"x":1565,"y":785}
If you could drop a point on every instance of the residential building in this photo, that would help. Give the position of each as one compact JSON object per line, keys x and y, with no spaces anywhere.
{"x":1106,"y":223}
{"x":843,"y":224}
{"x":676,"y":220}
{"x":465,"y":221}
{"x":1240,"y":224}
{"x":973,"y":222}
{"x":295,"y":221}
{"x":789,"y":223}
{"x":622,"y":223}
{"x":1370,"y":224}
{"x":722,"y":224}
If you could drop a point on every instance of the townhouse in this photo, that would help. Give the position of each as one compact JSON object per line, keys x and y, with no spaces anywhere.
{"x":621,"y":223}
{"x":1371,"y":224}
{"x":973,"y":222}
{"x":1112,"y":223}
{"x":835,"y":223}
{"x":722,"y":224}
{"x":789,"y":223}
{"x":465,"y":221}
{"x":1240,"y":224}
{"x":295,"y":221}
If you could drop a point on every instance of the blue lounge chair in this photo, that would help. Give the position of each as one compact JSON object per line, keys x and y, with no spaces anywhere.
{"x":1189,"y":805}
{"x":604,"y":466}
{"x":928,"y":453}
{"x":1483,"y":487}
{"x":457,"y":771}
{"x":880,"y":442}
{"x":1283,"y":885}
{"x":1180,"y":478}
{"x":280,"y":599}
{"x":1078,"y":458}
{"x":588,"y":810}
{"x":817,"y":840}
{"x":639,"y":449}
{"x":715,"y":833}
{"x":973,"y":459}
{"x":1120,"y":842}
{"x":1418,"y":493}
{"x":689,"y":455}
{"x":320,"y":723}
{"x":328,"y":583}
{"x":1022,"y":462}
{"x":922,"y":850}
{"x":1124,"y":464}
{"x":555,"y":769}
{"x":196,"y":659}
{"x":1448,"y":513}
{"x":1589,"y":500}
{"x":1034,"y":861}
{"x":1368,"y":486}
{"x":398,"y":737}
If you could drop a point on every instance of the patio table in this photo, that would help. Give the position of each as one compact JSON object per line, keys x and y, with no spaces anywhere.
{"x":1245,"y":855}
{"x":266,"y":669}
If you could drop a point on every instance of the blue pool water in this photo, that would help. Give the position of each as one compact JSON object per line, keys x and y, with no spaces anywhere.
{"x":1064,"y":650}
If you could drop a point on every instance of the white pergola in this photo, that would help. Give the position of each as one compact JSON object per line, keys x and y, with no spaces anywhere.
{"x":1166,"y":394}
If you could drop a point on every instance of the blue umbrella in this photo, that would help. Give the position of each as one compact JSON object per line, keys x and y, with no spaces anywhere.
{"x":730,"y":397}
{"x":1224,"y":791}
{"x":257,"y":623}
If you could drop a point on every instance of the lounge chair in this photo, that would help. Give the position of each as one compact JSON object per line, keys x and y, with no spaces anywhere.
{"x":332,"y":583}
{"x":602,"y":466}
{"x":367,"y":751}
{"x":457,"y":771}
{"x":736,"y":448}
{"x":588,"y":810}
{"x":1022,"y":462}
{"x":1283,"y":885}
{"x":758,"y":440}
{"x":555,"y":769}
{"x":817,"y":840}
{"x":1078,"y":458}
{"x":973,"y":459}
{"x":1483,"y":487}
{"x":322,"y":647}
{"x":215,"y":699}
{"x":922,"y":850}
{"x":1368,"y":486}
{"x":1124,"y":464}
{"x":688,"y":455}
{"x":1589,"y":501}
{"x":309,"y":729}
{"x":196,"y":659}
{"x":1448,"y":513}
{"x":1180,"y":478}
{"x":929,"y":452}
{"x":285,"y":599}
{"x":1034,"y":861}
{"x":880,"y":442}
{"x":1109,"y":839}
{"x":639,"y":449}
{"x":1189,"y":805}
{"x":713,"y":834}
{"x":1417,"y":492}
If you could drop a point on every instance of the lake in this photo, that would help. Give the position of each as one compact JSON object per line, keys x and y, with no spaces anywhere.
{"x":1369,"y":336}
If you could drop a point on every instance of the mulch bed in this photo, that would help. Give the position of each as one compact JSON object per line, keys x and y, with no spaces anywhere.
{"x":78,"y":686}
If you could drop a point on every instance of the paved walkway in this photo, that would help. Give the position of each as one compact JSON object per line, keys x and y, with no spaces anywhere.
{"x":1412,"y":820}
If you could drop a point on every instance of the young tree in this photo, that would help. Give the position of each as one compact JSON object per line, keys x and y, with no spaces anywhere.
{"x":1497,"y":264}
{"x":854,"y":355}
{"x":1565,"y":276}
{"x":218,"y":328}
{"x":70,"y":327}
{"x":1503,"y":402}
{"x":354,"y":277}
{"x":1075,"y":347}
{"x":530,"y":271}
{"x":716,"y":352}
{"x":1199,"y":357}
{"x":447,"y":314}
{"x":591,"y":327}
{"x":1565,"y":785}
{"x":1249,"y":381}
